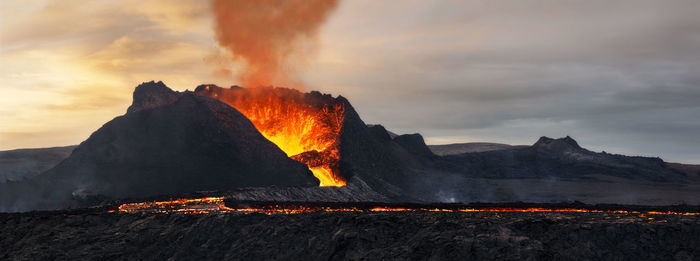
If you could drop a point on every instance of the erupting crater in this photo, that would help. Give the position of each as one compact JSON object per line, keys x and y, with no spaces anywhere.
{"x":305,"y":126}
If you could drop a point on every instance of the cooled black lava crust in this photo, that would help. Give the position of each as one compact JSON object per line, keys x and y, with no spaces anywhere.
{"x":349,"y":235}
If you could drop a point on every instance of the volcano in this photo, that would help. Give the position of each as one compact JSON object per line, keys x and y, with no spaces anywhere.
{"x":167,"y":143}
{"x":279,"y":144}
{"x":328,"y":135}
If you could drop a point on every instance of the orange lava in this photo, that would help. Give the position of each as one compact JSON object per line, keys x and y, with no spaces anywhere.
{"x":307,"y":133}
{"x":185,"y":206}
{"x":214,"y":205}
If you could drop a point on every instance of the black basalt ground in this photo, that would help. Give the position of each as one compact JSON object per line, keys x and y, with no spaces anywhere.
{"x":349,"y":236}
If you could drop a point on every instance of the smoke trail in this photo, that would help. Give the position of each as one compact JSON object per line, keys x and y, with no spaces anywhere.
{"x":264,"y":33}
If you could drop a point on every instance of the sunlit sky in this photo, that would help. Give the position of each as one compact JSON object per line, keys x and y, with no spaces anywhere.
{"x":620,"y":76}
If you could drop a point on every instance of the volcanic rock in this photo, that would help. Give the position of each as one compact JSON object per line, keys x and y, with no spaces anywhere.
{"x":415,"y":144}
{"x":152,"y":94}
{"x":350,"y":236}
{"x":390,"y":167}
{"x":557,"y":145}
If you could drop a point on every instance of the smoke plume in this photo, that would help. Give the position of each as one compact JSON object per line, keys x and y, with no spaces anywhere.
{"x":265,"y":33}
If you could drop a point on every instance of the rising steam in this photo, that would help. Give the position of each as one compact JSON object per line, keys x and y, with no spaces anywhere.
{"x":265,"y":33}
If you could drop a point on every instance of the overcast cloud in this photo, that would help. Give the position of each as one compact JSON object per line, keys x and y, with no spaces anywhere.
{"x":619,"y":76}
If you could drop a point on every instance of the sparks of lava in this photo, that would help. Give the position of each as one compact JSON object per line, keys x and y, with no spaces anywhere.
{"x":308,"y":134}
{"x":215,"y":205}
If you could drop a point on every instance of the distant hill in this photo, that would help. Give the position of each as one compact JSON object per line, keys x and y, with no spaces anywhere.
{"x":26,"y":163}
{"x":563,"y":158}
{"x":459,"y":148}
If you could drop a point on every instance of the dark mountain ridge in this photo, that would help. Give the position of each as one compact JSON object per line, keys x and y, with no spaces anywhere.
{"x":563,"y":158}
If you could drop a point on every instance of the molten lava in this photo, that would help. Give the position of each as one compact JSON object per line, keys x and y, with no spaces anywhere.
{"x":307,"y":133}
{"x":217,"y":205}
{"x":184,"y":206}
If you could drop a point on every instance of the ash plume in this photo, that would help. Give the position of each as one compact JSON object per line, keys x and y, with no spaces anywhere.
{"x":264,"y":34}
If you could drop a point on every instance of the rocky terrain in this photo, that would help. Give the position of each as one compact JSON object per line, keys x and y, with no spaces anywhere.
{"x":349,"y":235}
{"x":355,"y":191}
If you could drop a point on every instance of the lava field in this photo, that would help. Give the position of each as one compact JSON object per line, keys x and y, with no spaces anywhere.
{"x":417,"y":235}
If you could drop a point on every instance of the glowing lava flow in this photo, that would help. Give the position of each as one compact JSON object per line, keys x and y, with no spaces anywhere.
{"x":306,"y":133}
{"x":185,"y":206}
{"x":214,"y":205}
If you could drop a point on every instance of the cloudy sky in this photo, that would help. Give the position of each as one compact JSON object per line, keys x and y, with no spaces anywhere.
{"x":620,"y":76}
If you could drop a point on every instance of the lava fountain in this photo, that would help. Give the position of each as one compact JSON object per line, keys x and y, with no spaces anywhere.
{"x":308,"y":131}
